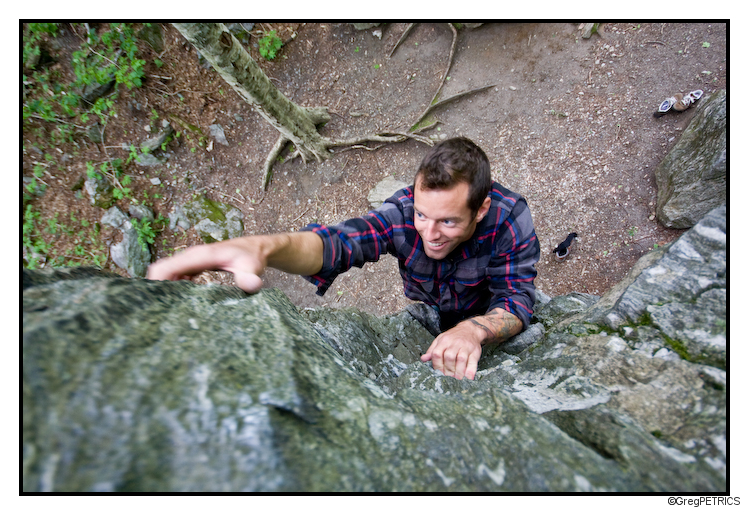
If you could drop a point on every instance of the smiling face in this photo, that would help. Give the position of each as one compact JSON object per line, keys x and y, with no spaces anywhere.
{"x":442,"y":218}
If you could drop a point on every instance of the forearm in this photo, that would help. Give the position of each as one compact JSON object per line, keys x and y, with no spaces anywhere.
{"x":294,"y":253}
{"x":298,"y":253}
{"x":495,"y":327}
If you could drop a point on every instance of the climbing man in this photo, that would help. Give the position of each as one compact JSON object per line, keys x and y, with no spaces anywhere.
{"x":466,"y":246}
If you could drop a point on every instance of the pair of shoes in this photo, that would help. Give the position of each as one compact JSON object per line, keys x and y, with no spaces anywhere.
{"x":563,"y":249}
{"x":678,"y":102}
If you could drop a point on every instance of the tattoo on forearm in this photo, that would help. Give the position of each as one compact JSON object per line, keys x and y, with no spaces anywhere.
{"x":499,"y":325}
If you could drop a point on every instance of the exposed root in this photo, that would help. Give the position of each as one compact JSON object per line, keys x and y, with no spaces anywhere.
{"x":391,"y":137}
{"x":320,"y":115}
{"x":403,"y":37}
{"x":272,"y":156}
{"x":449,"y":61}
{"x":450,"y":99}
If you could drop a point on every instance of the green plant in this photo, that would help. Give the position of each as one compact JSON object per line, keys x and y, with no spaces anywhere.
{"x":147,"y":230}
{"x":32,"y":37}
{"x":33,"y":244}
{"x":146,"y":234}
{"x":133,"y":154}
{"x":123,"y":191}
{"x":111,"y":55}
{"x":269,"y":45}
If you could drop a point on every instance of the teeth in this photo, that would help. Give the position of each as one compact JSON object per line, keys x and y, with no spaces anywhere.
{"x":435,"y":245}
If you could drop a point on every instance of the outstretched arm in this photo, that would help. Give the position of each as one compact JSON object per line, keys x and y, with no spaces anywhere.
{"x":246,"y":257}
{"x":456,"y":352}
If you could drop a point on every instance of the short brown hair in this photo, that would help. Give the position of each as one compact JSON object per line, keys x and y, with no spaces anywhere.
{"x":454,"y":161}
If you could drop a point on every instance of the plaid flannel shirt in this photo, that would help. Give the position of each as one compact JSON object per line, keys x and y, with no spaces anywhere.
{"x":494,"y":268}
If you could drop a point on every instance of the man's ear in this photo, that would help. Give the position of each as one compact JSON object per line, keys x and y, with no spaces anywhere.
{"x":484,"y":209}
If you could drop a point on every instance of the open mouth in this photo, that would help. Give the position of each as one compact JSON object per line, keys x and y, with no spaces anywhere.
{"x":437,"y":245}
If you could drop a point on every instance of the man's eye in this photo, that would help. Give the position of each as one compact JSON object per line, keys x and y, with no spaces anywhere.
{"x":419,"y":215}
{"x":449,"y":223}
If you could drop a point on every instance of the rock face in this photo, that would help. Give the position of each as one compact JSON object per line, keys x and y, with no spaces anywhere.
{"x":133,"y":385}
{"x":692,"y":178}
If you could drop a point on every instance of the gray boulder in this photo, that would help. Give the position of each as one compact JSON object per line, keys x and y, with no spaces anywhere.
{"x":691,"y":179}
{"x":213,"y":220}
{"x":129,"y":254}
{"x":133,"y":385}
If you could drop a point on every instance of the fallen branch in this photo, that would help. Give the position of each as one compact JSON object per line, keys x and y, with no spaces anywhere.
{"x":111,"y":175}
{"x":223,"y":195}
{"x":56,"y":120}
{"x":298,"y":217}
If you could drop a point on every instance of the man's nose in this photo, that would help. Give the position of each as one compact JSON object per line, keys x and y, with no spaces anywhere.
{"x":432,"y":231}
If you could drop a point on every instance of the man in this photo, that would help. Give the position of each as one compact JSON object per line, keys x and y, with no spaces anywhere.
{"x":465,"y":245}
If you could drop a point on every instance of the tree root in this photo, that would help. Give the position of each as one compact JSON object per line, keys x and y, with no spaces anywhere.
{"x":320,"y":115}
{"x":403,"y":37}
{"x":272,"y":156}
{"x":385,"y":138}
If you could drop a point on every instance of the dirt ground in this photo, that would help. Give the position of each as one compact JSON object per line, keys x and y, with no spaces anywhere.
{"x":568,"y":124}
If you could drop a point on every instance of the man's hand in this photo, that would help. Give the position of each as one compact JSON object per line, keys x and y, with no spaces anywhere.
{"x":246,"y":257}
{"x":456,"y":352}
{"x":237,"y":256}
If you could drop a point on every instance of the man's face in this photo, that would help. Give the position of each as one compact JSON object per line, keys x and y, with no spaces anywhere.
{"x":442,"y":218}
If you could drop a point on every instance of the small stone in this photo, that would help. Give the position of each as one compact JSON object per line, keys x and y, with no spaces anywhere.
{"x":217,"y":131}
{"x":384,"y":189}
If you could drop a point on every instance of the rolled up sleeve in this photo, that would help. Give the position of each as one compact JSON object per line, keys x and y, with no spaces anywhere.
{"x":512,"y":267}
{"x":353,"y":243}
